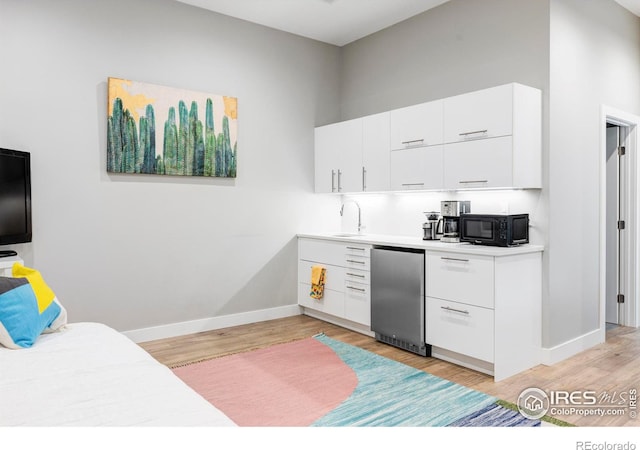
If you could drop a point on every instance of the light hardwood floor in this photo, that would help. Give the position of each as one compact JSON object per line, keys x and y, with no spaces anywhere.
{"x":612,"y":367}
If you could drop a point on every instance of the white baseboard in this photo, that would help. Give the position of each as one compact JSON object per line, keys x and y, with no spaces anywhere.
{"x":211,"y":323}
{"x":553,"y":355}
{"x":463,"y":360}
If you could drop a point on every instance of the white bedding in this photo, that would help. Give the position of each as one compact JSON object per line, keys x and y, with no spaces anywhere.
{"x":91,"y":375}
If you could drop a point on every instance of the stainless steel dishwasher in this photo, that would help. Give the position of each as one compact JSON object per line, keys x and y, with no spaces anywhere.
{"x":397,"y":298}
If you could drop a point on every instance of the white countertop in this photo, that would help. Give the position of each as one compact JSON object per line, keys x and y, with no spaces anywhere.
{"x":416,"y":242}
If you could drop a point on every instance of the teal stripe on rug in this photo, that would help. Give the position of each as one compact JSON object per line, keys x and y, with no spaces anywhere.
{"x":390,"y":393}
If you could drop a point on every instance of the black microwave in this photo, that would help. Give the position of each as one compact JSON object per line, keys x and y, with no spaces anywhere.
{"x":502,"y":230}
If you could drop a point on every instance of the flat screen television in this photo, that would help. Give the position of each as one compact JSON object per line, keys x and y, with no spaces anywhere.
{"x":15,"y":198}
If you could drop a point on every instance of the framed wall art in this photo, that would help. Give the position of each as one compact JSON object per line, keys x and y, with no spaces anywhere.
{"x":167,"y":131}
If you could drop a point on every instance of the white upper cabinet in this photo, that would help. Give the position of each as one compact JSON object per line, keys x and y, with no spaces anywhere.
{"x":375,"y":152}
{"x":481,"y":114}
{"x":493,"y":138}
{"x":415,"y":144}
{"x":488,"y":163}
{"x":349,"y":170}
{"x":338,"y":157}
{"x":417,"y":168}
{"x":416,"y":126}
{"x":353,"y":156}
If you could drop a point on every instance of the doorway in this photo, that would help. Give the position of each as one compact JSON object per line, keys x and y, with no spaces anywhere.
{"x":619,"y":211}
{"x":616,"y":231}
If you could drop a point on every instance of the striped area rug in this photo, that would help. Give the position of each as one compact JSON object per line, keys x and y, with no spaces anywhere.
{"x":322,"y":382}
{"x":390,"y":393}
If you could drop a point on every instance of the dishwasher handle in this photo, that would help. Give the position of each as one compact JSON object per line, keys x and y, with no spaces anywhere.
{"x":399,"y":249}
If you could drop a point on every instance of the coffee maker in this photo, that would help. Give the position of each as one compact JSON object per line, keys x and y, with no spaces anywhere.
{"x":430,"y":227}
{"x":451,"y":211}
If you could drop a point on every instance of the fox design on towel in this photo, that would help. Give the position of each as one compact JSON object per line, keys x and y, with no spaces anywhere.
{"x":317,"y":282}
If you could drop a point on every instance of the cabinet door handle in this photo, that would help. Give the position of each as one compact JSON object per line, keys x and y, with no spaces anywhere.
{"x":469,"y":133}
{"x":447,"y":258}
{"x":339,"y":180}
{"x":412,"y":184}
{"x":364,"y":179}
{"x":455,"y":310}
{"x":355,"y":275}
{"x":472,"y":181}
{"x":333,"y":180}
{"x":356,"y":248}
{"x":414,"y":141}
{"x":355,"y":262}
{"x":356,"y":289}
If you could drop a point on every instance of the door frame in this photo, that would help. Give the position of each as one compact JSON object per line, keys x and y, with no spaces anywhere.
{"x":629,"y":311}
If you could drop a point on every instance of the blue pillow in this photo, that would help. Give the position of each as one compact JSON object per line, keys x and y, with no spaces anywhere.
{"x":22,"y":317}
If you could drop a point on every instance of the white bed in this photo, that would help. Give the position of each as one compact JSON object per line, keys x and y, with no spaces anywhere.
{"x":90,"y":375}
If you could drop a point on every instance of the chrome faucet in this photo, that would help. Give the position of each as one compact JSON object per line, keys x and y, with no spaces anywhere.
{"x":360,"y":227}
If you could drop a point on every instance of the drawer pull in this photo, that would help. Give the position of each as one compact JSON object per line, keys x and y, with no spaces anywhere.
{"x":356,"y":289}
{"x":412,"y":184}
{"x":415,"y":141}
{"x":355,"y":262}
{"x":469,"y":133}
{"x":364,"y":179}
{"x":472,"y":181}
{"x":355,"y":275}
{"x":446,"y":258}
{"x":356,"y":248}
{"x":455,"y":310}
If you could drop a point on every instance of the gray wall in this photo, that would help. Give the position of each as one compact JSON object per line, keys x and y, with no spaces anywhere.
{"x":139,"y":251}
{"x":595,"y":60}
{"x":460,"y":46}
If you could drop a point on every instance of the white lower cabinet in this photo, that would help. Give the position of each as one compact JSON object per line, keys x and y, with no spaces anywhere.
{"x":462,"y":278}
{"x":461,"y":328}
{"x":332,"y":302}
{"x":482,"y":309}
{"x":347,"y":297}
{"x":484,"y":312}
{"x":357,"y":302}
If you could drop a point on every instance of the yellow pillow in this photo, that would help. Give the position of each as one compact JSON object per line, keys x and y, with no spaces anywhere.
{"x":44,"y":294}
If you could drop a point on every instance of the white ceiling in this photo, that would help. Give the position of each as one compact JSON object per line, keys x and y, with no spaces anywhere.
{"x":631,"y":5}
{"x":337,"y":22}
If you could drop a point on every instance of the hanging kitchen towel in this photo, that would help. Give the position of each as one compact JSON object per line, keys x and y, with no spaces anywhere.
{"x":317,"y":281}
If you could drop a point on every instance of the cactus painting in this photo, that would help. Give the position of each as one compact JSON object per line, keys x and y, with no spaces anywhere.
{"x":166,"y":131}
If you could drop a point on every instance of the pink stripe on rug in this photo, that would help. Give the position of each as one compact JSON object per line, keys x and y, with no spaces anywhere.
{"x":248,"y":387}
